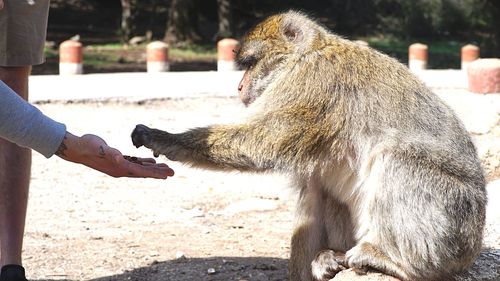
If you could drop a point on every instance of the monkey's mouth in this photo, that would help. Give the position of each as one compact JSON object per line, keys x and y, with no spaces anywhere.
{"x":243,"y":90}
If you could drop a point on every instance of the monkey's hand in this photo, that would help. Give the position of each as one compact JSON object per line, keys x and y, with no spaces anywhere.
{"x":160,"y":142}
{"x":141,"y":135}
{"x":327,"y":264}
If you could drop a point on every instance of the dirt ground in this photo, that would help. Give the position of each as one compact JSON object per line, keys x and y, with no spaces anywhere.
{"x":197,"y":225}
{"x":86,"y":226}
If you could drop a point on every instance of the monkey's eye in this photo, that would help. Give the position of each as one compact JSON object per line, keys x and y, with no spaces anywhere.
{"x":247,"y":62}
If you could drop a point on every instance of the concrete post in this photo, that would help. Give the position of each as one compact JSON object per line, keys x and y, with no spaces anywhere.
{"x":469,"y":53}
{"x":484,"y":76}
{"x":157,"y":57}
{"x":417,"y":56}
{"x":226,"y":54}
{"x":70,"y":57}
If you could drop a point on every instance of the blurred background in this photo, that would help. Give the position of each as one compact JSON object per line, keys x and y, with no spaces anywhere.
{"x":115,"y":32}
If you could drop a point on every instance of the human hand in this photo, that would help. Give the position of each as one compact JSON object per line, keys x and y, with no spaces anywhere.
{"x":92,"y":151}
{"x":1,"y":4}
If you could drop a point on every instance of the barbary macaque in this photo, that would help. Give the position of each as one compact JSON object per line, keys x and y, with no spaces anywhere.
{"x":388,"y":177}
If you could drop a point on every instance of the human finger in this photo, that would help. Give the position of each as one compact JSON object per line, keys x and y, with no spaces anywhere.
{"x":158,"y":164}
{"x":149,"y":171}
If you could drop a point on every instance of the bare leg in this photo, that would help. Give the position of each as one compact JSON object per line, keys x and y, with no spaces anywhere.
{"x":15,"y":169}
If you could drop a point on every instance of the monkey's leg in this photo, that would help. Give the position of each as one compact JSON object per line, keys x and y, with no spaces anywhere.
{"x":366,"y":256}
{"x":306,"y":243}
{"x":339,"y":229}
{"x":312,"y":235}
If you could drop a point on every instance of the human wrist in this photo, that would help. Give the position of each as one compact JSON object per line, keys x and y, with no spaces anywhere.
{"x":69,"y":148}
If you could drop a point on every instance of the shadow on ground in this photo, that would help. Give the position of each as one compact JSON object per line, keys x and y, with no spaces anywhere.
{"x":486,"y":268}
{"x":205,"y":269}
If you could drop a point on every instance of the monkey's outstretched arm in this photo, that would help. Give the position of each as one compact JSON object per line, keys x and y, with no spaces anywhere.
{"x":214,"y":146}
{"x":266,"y":143}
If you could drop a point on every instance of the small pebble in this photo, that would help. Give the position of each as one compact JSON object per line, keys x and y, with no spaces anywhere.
{"x":180,"y":255}
{"x":211,"y":270}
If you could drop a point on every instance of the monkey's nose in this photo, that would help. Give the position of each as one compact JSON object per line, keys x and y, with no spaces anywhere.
{"x":243,"y":81}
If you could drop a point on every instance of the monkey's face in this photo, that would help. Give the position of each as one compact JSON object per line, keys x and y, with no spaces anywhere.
{"x":260,"y":70}
{"x":264,"y":53}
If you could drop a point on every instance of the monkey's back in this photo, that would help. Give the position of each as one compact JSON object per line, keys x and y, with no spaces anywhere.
{"x":413,"y":158}
{"x":374,"y":138}
{"x":426,"y":179}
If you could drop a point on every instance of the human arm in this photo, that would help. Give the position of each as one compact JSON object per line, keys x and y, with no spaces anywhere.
{"x":27,"y":126}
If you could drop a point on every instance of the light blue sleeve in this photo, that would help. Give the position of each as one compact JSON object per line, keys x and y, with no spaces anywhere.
{"x":25,"y":125}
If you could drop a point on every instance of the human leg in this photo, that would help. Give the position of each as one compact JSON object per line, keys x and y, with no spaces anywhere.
{"x":23,"y":26}
{"x":15,"y":168}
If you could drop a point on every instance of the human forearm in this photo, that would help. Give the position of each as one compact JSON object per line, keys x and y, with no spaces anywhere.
{"x":25,"y":125}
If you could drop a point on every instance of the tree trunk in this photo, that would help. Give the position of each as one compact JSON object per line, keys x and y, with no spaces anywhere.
{"x":182,"y":23}
{"x":126,"y":24}
{"x":225,"y":19}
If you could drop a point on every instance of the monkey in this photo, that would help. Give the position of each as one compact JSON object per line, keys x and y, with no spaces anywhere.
{"x":388,"y":178}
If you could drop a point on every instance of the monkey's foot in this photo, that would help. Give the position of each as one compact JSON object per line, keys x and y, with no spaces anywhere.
{"x":140,"y":135}
{"x":366,"y":256}
{"x":327,"y":264}
{"x":361,"y":258}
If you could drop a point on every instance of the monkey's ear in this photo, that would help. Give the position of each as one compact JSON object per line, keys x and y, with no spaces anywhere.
{"x":292,"y":32}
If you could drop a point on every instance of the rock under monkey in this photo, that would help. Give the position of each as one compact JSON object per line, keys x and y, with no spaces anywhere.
{"x":386,"y":172}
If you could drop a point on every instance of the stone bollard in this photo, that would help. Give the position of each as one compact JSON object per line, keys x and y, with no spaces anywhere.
{"x":70,"y":57}
{"x":157,"y":57}
{"x":417,"y":56}
{"x":469,"y":53}
{"x":226,"y":54}
{"x":484,"y":76}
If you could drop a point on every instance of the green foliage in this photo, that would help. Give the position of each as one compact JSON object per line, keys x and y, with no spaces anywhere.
{"x":442,"y":54}
{"x":403,"y":21}
{"x":194,"y":51}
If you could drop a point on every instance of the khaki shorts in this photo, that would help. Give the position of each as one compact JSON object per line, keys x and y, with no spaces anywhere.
{"x":23,"y":28}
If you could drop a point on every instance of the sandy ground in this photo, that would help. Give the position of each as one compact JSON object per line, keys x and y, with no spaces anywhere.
{"x":197,"y":225}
